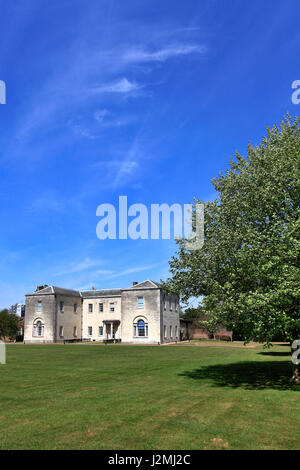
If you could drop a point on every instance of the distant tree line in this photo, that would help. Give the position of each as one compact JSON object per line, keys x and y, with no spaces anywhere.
{"x":9,"y":324}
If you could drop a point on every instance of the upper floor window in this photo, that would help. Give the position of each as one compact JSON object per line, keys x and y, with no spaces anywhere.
{"x":75,"y":308}
{"x":40,"y":306}
{"x":112,"y":307}
{"x":165,"y":304}
{"x":176,"y":306}
{"x":140,"y":302}
{"x":100,"y":308}
{"x":61,"y":306}
{"x":170,"y":304}
{"x":90,"y":308}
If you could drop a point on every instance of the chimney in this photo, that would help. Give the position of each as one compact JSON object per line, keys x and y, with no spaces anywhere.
{"x":135,"y":283}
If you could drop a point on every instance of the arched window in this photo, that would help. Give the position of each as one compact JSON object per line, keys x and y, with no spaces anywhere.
{"x":38,"y":328}
{"x":140,"y":328}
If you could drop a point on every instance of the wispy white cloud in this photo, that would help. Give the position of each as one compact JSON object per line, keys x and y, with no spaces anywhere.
{"x":123,"y":86}
{"x":101,"y":115}
{"x":161,"y":55}
{"x":78,"y":267}
{"x":125,"y":272}
{"x":107,"y":119}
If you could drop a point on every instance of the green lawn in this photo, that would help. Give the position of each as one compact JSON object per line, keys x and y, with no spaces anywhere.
{"x":91,"y":396}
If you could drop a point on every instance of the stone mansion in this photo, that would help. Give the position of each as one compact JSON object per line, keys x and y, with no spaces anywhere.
{"x":142,"y":313}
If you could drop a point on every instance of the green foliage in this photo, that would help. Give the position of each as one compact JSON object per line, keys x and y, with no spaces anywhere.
{"x":193,"y":313}
{"x":248,"y":269}
{"x":8,"y":324}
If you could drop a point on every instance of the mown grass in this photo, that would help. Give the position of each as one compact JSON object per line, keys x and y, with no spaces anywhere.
{"x":88,"y":396}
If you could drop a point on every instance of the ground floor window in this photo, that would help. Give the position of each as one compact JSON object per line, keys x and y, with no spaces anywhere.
{"x":61,"y":331}
{"x":100,"y":330}
{"x":38,"y":328}
{"x":75,"y":332}
{"x":165,"y":331}
{"x":140,"y":328}
{"x":90,"y":330}
{"x":176,"y":331}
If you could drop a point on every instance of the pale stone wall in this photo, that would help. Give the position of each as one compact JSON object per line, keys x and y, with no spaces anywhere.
{"x":170,"y":318}
{"x":47,"y":317}
{"x":151,"y":313}
{"x":52,"y":318}
{"x":96,"y":318}
{"x":59,"y":325}
{"x":68,"y":319}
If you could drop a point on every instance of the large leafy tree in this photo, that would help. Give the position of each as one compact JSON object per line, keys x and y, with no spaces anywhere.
{"x":248,"y":269}
{"x":8,"y":324}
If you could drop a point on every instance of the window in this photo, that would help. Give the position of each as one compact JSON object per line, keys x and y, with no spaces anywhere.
{"x":100,"y":308}
{"x":165,"y":304}
{"x":90,"y":330}
{"x":90,"y":308}
{"x":165,"y":331}
{"x":140,"y":329}
{"x":176,"y":331}
{"x":38,"y":328}
{"x":170,"y":304}
{"x":61,"y":331}
{"x":171,"y":332}
{"x":112,"y":307}
{"x":61,"y":306}
{"x":75,"y":308}
{"x":140,"y":302}
{"x":39,"y":306}
{"x":75,"y":332}
{"x":176,"y":306}
{"x":100,"y":330}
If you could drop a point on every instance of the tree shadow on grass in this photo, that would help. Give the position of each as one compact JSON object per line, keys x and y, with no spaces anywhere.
{"x":276,"y":353}
{"x":252,"y":375}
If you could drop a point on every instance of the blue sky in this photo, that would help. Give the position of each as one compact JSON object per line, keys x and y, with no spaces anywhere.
{"x":109,"y":98}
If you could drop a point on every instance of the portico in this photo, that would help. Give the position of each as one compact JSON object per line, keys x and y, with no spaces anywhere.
{"x":112,"y":329}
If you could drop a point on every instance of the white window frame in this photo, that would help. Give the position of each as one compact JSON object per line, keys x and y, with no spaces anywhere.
{"x":90,"y":333}
{"x":90,"y":308}
{"x":38,"y":327}
{"x":136,"y":330}
{"x":101,"y":307}
{"x":40,"y":306}
{"x":61,"y":331}
{"x":140,"y":304}
{"x":111,"y":306}
{"x":100,"y":334}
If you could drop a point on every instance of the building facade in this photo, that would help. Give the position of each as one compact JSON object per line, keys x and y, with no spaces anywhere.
{"x":141,"y":314}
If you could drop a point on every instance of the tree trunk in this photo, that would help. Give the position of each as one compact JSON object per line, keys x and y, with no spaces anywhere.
{"x":296,"y":374}
{"x":296,"y":361}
